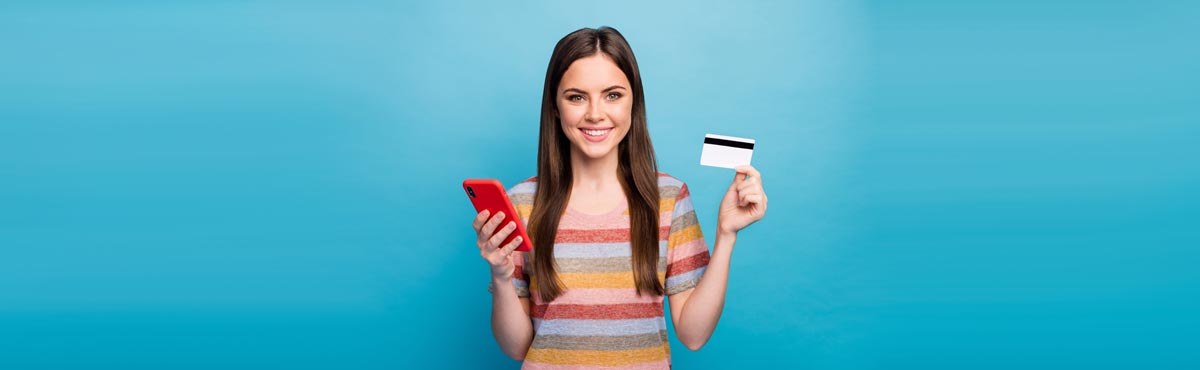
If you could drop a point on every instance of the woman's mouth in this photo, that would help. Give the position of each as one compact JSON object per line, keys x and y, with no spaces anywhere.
{"x":596,"y":135}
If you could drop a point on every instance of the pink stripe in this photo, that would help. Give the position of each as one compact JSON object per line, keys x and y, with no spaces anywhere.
{"x":620,"y":222}
{"x":688,"y":249}
{"x":657,"y":365}
{"x":591,"y":296}
{"x":577,"y":223}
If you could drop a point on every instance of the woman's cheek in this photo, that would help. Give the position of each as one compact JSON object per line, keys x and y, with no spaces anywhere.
{"x":620,"y":114}
{"x":569,"y":118}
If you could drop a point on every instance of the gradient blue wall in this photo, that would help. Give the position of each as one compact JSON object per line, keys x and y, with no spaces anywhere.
{"x":275,"y":184}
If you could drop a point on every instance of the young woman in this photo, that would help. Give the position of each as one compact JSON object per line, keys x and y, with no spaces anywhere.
{"x":611,"y":235}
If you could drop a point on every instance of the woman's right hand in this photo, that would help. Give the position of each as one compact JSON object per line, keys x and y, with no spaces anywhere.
{"x":489,"y":239}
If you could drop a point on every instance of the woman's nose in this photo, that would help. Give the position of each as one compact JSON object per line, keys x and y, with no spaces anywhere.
{"x":594,"y":113}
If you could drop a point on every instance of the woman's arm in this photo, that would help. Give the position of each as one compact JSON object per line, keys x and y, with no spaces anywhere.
{"x":511,"y":324}
{"x":695,"y":311}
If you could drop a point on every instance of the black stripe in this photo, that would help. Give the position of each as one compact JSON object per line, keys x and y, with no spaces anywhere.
{"x":723,"y":142}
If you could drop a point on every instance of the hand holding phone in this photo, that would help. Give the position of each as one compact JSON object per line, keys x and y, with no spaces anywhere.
{"x":499,"y":232}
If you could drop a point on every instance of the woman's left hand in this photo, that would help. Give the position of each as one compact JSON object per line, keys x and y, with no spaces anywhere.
{"x":745,"y":202}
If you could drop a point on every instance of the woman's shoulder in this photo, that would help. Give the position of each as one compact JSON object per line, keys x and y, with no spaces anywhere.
{"x":670,"y":187}
{"x":521,"y":196}
{"x":526,"y":186}
{"x":666,"y":180}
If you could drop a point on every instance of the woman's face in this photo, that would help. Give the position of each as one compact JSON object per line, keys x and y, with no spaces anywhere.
{"x":594,"y":105}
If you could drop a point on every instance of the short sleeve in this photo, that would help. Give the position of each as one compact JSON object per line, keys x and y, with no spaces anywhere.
{"x":687,"y":252}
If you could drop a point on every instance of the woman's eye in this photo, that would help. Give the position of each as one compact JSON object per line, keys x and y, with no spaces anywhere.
{"x":614,"y":96}
{"x":575,"y":98}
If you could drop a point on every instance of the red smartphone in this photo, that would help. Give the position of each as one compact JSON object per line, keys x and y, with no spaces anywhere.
{"x":489,"y":194}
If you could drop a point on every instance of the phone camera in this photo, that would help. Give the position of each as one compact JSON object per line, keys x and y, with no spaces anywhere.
{"x":470,"y":192}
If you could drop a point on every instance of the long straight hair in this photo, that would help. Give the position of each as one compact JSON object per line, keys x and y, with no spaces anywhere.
{"x":637,"y":170}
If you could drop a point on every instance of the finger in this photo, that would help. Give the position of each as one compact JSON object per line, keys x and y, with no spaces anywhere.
{"x":749,"y":170}
{"x":744,"y":193}
{"x":753,"y":199}
{"x":748,"y":183}
{"x":480,"y":219}
{"x":490,"y":226}
{"x":737,"y":180}
{"x":502,"y":234}
{"x":511,"y":246}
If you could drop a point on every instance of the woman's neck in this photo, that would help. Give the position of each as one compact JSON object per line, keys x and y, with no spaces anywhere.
{"x":594,"y":174}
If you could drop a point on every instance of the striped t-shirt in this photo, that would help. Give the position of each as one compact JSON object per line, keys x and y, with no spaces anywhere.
{"x":599,"y":320}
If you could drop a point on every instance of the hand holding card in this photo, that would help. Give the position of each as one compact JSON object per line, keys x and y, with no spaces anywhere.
{"x":745,"y":202}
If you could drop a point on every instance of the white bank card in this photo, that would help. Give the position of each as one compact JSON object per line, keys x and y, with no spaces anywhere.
{"x":726,"y":151}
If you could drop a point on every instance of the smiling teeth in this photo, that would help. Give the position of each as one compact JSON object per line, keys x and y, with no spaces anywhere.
{"x":596,"y":132}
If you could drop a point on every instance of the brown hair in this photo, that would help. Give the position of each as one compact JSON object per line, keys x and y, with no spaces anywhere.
{"x":637,"y":169}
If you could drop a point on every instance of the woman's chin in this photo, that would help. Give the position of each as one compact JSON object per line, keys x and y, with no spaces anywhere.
{"x":596,"y":152}
{"x":596,"y":155}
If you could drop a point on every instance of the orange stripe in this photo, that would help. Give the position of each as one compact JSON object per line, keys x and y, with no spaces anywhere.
{"x":525,"y":211}
{"x":595,"y":357}
{"x":656,"y":365}
{"x":683,"y":236}
{"x":621,"y":279}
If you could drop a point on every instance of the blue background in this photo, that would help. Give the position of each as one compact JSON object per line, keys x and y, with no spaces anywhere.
{"x":275,"y":184}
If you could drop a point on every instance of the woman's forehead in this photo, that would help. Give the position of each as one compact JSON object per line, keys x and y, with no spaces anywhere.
{"x":594,"y":73}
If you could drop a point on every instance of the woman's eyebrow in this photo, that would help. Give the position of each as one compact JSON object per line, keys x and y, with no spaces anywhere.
{"x":572,"y":89}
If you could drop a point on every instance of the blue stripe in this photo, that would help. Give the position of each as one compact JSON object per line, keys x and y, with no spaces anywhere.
{"x":599,"y":250}
{"x":685,"y":277}
{"x":683,"y":206}
{"x":599,"y":327}
{"x":669,"y":181}
{"x":525,"y":187}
